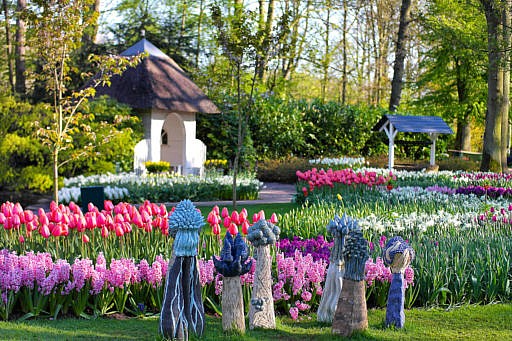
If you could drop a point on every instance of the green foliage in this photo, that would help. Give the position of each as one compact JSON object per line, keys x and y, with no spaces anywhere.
{"x":157,"y":166}
{"x":36,"y":179}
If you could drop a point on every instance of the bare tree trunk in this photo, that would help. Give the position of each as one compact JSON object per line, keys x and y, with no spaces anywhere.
{"x":344,"y":76}
{"x":398,"y":68}
{"x":20,"y":49}
{"x":261,"y":312}
{"x":233,"y":317}
{"x":199,"y":31}
{"x":497,"y":93}
{"x":505,"y":138}
{"x":90,"y":33}
{"x":9,"y":44}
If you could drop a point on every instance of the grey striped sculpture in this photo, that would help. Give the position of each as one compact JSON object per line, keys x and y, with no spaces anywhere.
{"x":397,"y":254}
{"x":182,"y":306}
{"x":338,"y":227}
{"x":231,"y":265}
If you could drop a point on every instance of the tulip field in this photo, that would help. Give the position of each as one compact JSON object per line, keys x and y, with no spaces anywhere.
{"x":65,"y":262}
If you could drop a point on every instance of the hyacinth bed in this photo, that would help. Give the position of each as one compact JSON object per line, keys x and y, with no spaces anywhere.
{"x":162,"y":187}
{"x":68,"y":262}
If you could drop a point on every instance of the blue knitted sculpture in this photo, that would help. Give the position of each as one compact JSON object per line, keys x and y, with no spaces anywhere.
{"x":231,"y":265}
{"x":182,"y":305}
{"x":397,"y":254}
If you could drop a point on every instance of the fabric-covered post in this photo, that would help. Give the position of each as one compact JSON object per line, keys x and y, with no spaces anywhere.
{"x":261,"y":312}
{"x":397,"y":254}
{"x":351,"y":313}
{"x":231,"y":265}
{"x":182,"y":305}
{"x":339,"y":228}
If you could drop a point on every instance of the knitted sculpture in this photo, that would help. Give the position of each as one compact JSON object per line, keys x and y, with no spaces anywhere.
{"x":182,"y":305}
{"x":231,"y":265}
{"x":261,"y":312}
{"x":397,"y":254}
{"x":338,"y":227}
{"x":351,"y":313}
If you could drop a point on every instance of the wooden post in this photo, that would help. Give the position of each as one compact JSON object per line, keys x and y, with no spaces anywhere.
{"x":261,"y":312}
{"x":233,"y":317}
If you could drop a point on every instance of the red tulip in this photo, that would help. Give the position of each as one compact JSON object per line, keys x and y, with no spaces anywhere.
{"x":255,"y":217}
{"x":29,"y":215}
{"x":100,"y":219}
{"x":233,"y":229}
{"x":127,"y":227}
{"x":3,"y":219}
{"x":137,"y":219}
{"x":163,"y":210}
{"x":22,"y":239}
{"x":85,"y":238}
{"x":261,"y":214}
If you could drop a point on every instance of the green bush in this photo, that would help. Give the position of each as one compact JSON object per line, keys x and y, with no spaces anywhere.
{"x":283,"y":171}
{"x":157,"y":166}
{"x":35,"y":179}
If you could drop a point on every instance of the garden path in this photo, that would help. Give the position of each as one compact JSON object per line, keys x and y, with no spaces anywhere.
{"x":271,"y":192}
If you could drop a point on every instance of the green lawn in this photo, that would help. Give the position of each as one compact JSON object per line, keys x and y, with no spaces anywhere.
{"x":464,"y":323}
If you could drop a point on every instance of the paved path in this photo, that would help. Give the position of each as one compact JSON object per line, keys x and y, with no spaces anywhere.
{"x":272,"y":192}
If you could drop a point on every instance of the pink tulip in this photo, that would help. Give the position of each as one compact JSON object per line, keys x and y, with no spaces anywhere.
{"x":28,"y":215}
{"x":163,"y":210}
{"x":255,"y":217}
{"x":273,"y":218}
{"x":216,"y":229}
{"x":44,"y":231}
{"x":245,"y":227}
{"x":100,"y":219}
{"x":108,"y":205}
{"x":227,"y":221}
{"x":16,"y":221}
{"x":215,"y":210}
{"x":104,"y":232}
{"x":90,"y":220}
{"x":119,"y":229}
{"x":261,"y":214}
{"x":225,"y":212}
{"x":137,"y":219}
{"x":235,"y":217}
{"x":22,"y":239}
{"x":3,"y":219}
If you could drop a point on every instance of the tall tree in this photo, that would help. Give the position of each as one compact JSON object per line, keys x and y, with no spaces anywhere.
{"x":400,"y":53}
{"x":20,"y":48}
{"x":8,"y":43}
{"x":59,"y":28}
{"x":497,"y":14}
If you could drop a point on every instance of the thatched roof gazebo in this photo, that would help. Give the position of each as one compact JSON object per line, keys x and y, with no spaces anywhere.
{"x":167,"y":100}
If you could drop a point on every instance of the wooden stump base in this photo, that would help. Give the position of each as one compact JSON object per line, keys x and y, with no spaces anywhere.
{"x":233,"y":317}
{"x":351,"y":313}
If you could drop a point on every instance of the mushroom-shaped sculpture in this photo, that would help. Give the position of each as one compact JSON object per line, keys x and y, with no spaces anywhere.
{"x":182,"y":305}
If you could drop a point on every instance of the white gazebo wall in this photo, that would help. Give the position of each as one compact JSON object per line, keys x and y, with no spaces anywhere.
{"x":195,"y":150}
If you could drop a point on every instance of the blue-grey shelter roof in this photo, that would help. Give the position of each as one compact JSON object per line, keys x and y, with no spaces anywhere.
{"x":415,"y":124}
{"x":141,"y":46}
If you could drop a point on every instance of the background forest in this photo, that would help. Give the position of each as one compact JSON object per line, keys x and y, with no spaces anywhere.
{"x":293,"y":78}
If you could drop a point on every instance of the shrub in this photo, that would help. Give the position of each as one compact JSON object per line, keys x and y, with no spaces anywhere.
{"x":281,"y":170}
{"x":157,"y":166}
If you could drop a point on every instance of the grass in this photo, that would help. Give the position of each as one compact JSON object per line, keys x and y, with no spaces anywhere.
{"x":466,"y":322}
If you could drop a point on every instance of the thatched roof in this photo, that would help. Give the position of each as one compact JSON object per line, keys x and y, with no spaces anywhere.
{"x":157,"y":83}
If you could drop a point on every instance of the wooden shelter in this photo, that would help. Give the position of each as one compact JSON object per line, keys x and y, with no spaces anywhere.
{"x":393,"y":124}
{"x":168,"y":101}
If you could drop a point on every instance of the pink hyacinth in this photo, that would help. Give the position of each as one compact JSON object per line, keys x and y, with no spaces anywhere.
{"x":294,"y":313}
